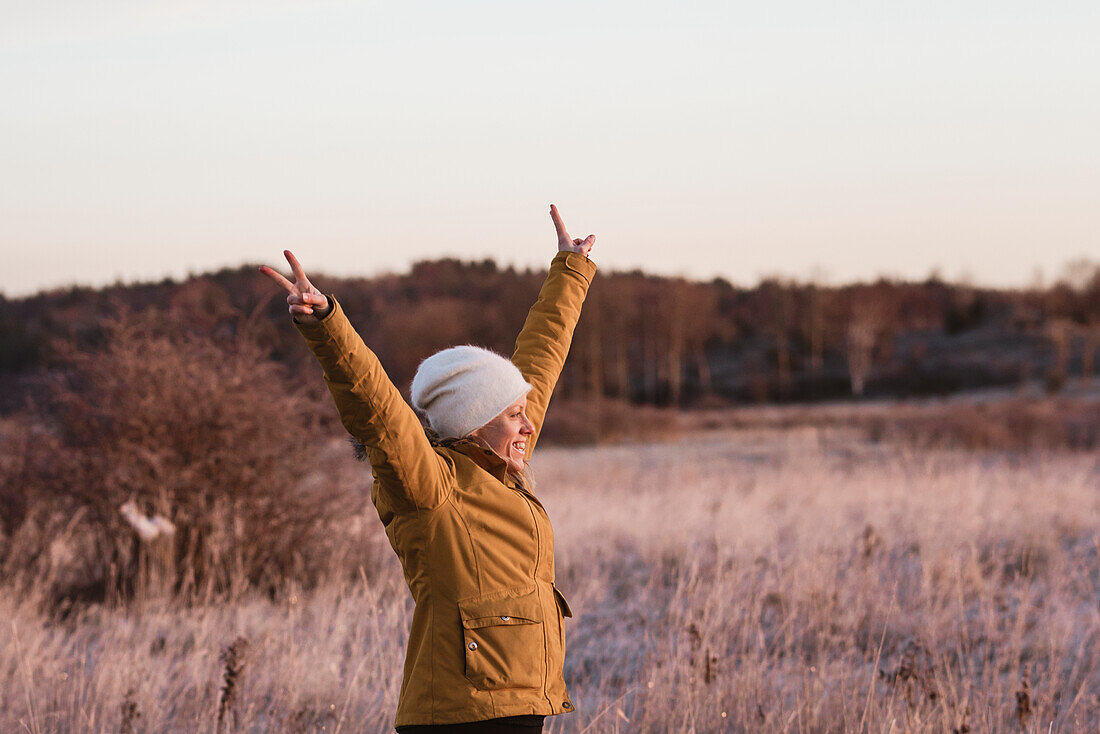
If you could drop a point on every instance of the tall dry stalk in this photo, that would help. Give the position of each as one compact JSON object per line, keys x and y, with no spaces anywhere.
{"x":233,"y":660}
{"x":130,"y":713}
{"x":1023,"y":703}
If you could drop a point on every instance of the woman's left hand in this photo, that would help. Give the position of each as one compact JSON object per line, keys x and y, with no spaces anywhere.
{"x":565,"y":242}
{"x":306,"y":304}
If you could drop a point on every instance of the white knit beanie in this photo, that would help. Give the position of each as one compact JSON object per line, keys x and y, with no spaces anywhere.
{"x":462,"y":388}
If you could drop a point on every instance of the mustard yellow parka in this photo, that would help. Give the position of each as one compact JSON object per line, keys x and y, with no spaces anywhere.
{"x":477,"y":549}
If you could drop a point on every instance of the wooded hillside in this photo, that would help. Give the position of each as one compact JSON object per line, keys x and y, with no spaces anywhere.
{"x":646,"y":339}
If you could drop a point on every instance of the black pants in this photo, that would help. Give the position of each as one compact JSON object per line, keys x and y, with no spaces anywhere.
{"x":510,"y":725}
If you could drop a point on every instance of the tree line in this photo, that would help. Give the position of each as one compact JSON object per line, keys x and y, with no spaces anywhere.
{"x":643,"y":338}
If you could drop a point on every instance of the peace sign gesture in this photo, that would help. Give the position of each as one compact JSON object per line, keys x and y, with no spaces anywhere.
{"x":565,"y":243}
{"x":306,"y":302}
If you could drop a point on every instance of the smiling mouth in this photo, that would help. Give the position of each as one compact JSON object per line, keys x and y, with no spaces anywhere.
{"x":520,"y":446}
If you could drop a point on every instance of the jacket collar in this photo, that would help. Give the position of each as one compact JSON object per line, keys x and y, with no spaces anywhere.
{"x":485,"y":458}
{"x":488,"y":460}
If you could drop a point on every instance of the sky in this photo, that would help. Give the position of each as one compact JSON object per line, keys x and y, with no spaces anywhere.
{"x":837,"y":141}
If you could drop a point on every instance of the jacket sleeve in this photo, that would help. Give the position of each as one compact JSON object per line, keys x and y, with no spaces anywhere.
{"x":543,"y":343}
{"x":411,"y":473}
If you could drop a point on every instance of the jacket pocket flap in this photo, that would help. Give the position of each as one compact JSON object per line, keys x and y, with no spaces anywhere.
{"x":562,"y":603}
{"x":508,"y":606}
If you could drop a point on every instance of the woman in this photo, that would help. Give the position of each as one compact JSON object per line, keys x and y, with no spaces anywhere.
{"x":486,"y":643}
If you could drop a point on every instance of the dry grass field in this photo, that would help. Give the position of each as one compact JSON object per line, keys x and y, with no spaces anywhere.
{"x":795,"y":580}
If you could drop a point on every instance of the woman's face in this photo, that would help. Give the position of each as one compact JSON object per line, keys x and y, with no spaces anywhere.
{"x":507,"y":434}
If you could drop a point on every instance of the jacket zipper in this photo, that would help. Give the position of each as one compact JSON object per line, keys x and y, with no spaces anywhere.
{"x":538,"y":593}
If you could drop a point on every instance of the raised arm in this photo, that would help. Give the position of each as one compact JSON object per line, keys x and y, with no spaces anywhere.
{"x":543,"y":343}
{"x":411,"y":473}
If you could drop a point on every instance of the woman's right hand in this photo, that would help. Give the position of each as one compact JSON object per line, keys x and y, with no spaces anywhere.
{"x":305,"y":302}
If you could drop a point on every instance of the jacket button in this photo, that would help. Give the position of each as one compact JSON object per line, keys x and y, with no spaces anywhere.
{"x":566,"y":705}
{"x":504,"y":619}
{"x":472,"y":645}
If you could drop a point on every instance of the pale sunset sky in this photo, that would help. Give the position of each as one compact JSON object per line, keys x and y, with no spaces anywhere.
{"x":839,"y":140}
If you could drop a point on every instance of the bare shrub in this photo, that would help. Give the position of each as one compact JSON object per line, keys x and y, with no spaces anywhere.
{"x":1011,"y":425}
{"x":206,"y":434}
{"x":1008,"y":424}
{"x":603,"y":420}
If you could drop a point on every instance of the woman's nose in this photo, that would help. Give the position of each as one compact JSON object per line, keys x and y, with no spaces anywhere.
{"x":527,"y":428}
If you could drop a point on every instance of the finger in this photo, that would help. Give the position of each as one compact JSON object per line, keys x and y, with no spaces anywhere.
{"x":301,"y":310}
{"x":299,"y":274}
{"x":283,"y":282}
{"x":563,"y":236}
{"x":306,"y":299}
{"x":589,"y":241}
